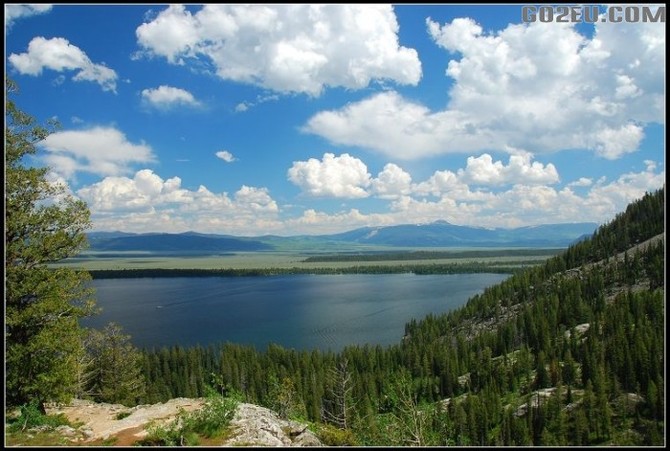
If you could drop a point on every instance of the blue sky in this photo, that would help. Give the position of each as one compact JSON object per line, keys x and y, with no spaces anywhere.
{"x":304,"y":119}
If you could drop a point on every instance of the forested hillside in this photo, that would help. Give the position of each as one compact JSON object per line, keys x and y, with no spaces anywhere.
{"x":569,"y":352}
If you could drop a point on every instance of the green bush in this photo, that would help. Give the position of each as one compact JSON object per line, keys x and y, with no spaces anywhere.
{"x":210,"y":421}
{"x":213,"y":418}
{"x":332,"y":436}
{"x":32,"y":416}
{"x":167,"y":435}
{"x":122,"y":415}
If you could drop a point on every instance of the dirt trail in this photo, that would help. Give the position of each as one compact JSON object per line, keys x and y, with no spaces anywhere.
{"x":100,"y":420}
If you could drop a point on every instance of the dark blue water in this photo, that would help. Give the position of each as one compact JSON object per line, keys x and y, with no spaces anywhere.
{"x":302,"y":311}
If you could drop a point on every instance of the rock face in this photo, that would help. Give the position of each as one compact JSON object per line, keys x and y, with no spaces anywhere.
{"x":258,"y":426}
{"x":252,"y":425}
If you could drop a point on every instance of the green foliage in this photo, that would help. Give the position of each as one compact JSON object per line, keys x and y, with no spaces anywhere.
{"x":429,"y":255}
{"x":122,"y":415}
{"x":332,"y":436}
{"x":500,"y":267}
{"x":32,"y":416}
{"x":115,"y":366}
{"x":284,"y":398}
{"x":188,"y":427}
{"x":111,"y":441}
{"x":42,"y":225}
{"x":408,"y":424}
{"x":214,"y":417}
{"x":171,"y":434}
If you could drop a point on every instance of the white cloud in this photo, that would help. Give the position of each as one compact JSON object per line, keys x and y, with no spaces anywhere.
{"x":527,"y":200}
{"x":440,"y":182}
{"x":650,"y":164}
{"x":59,"y":55}
{"x":483,"y":171}
{"x":523,"y":205}
{"x":395,"y":127}
{"x":343,"y":176}
{"x":260,"y":99}
{"x":226,"y":156}
{"x":613,"y":143}
{"x":583,"y":181}
{"x":99,"y":150}
{"x":542,"y":87}
{"x":392,"y":182}
{"x":286,"y":48}
{"x":256,"y":199}
{"x":14,"y":12}
{"x":148,"y":203}
{"x":315,"y":222}
{"x":165,"y":97}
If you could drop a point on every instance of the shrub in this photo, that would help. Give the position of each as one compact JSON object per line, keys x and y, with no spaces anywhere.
{"x":32,"y":416}
{"x":122,"y":415}
{"x":332,"y":436}
{"x":210,"y":421}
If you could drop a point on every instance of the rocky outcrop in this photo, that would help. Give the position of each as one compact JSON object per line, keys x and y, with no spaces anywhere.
{"x":257,"y":426}
{"x":252,"y":425}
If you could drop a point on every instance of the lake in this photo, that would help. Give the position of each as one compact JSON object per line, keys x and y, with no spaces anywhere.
{"x":326,"y":312}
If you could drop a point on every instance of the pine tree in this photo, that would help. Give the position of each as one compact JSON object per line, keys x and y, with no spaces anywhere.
{"x":42,"y":305}
{"x":117,"y":366}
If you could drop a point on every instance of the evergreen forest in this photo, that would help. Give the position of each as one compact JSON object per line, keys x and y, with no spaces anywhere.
{"x":568,"y":352}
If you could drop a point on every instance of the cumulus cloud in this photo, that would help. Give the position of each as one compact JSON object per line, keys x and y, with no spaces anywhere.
{"x":543,"y":87}
{"x":343,"y":176}
{"x":395,"y":127}
{"x":59,"y":55}
{"x":285,"y":48}
{"x":99,"y":150}
{"x":14,"y":12}
{"x":440,"y":182}
{"x":148,"y":203}
{"x":256,"y":199}
{"x":581,"y":182}
{"x":483,"y":171}
{"x":165,"y":97}
{"x":226,"y":156}
{"x":348,"y":177}
{"x":523,"y":205}
{"x":613,"y":143}
{"x":392,"y":182}
{"x":520,"y":205}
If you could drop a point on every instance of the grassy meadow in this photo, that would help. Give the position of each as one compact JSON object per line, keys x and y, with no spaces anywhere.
{"x":104,"y":261}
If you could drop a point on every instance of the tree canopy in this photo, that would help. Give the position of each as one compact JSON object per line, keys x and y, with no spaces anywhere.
{"x":43,"y":224}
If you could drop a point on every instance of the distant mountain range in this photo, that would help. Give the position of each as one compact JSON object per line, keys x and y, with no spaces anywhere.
{"x":172,"y":242}
{"x":442,"y":233}
{"x":435,"y":234}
